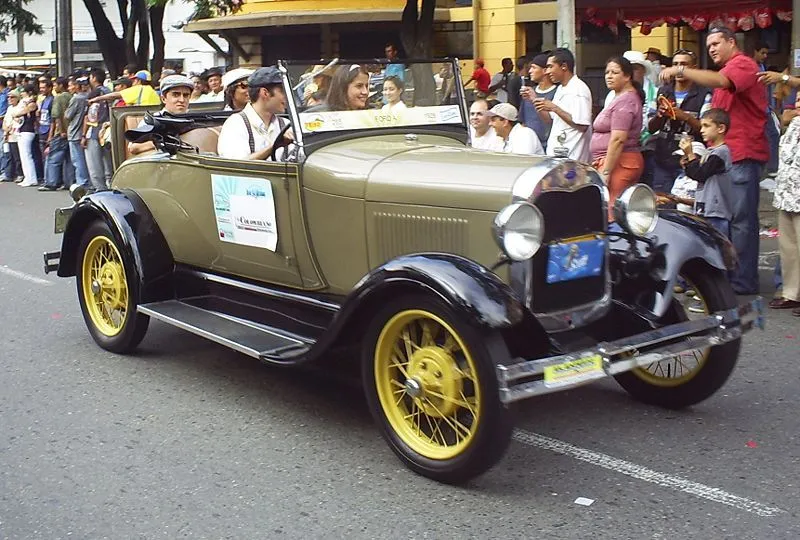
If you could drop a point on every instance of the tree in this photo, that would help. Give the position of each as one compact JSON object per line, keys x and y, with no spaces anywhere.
{"x":14,"y":17}
{"x":416,"y":33}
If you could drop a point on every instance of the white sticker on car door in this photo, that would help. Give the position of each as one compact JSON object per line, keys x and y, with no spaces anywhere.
{"x":245,"y":211}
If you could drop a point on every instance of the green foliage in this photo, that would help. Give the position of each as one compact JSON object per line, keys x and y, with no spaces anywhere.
{"x":203,"y":9}
{"x":14,"y":17}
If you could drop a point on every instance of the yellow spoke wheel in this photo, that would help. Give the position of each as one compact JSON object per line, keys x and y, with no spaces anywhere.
{"x":689,"y":378}
{"x":105,"y":286}
{"x":427,"y":384}
{"x":108,"y":302}
{"x":680,"y":368}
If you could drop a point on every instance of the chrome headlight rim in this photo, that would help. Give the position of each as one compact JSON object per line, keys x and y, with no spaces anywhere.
{"x":510,"y":232}
{"x":629,"y":201}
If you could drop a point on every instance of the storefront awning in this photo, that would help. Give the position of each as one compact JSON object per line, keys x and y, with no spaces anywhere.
{"x":700,"y":14}
{"x":294,"y":18}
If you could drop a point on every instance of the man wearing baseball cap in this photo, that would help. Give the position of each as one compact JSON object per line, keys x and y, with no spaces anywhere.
{"x":517,"y":139}
{"x":175,"y":93}
{"x":253,"y":132}
{"x":141,"y":93}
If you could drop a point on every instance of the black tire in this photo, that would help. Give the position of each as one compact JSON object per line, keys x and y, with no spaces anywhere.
{"x":118,"y":334}
{"x":707,"y":377}
{"x":489,"y":427}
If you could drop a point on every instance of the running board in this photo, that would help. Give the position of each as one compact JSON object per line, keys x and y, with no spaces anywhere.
{"x":259,"y":341}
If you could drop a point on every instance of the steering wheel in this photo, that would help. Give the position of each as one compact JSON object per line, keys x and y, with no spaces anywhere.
{"x":280,"y":142}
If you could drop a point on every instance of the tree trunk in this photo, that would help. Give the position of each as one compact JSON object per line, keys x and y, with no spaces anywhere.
{"x":157,"y":27}
{"x":416,"y":34}
{"x":111,"y":46}
{"x":143,"y":49}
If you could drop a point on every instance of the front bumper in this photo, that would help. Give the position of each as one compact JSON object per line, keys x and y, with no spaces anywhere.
{"x":528,"y":378}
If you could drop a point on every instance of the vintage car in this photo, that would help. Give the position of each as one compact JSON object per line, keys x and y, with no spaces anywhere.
{"x":466,"y":280}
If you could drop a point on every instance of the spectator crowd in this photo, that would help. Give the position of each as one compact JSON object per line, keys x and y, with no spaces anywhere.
{"x":703,"y":139}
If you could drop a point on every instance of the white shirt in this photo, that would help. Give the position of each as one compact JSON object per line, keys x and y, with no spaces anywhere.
{"x":396,"y":108}
{"x":211,"y":96}
{"x":233,"y":140}
{"x":576,"y":99}
{"x":522,"y":140}
{"x":488,"y":141}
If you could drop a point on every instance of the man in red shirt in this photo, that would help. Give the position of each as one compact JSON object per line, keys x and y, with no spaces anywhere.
{"x":736,"y":90}
{"x":482,"y":79}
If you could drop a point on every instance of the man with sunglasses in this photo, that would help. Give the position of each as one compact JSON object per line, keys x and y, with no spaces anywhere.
{"x":253,"y":133}
{"x":736,"y":91}
{"x":680,"y":103}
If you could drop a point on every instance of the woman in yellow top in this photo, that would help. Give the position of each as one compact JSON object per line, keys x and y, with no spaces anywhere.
{"x":141,"y":93}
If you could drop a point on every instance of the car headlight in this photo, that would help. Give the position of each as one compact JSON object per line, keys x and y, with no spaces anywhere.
{"x":519,"y":229}
{"x":635,"y":210}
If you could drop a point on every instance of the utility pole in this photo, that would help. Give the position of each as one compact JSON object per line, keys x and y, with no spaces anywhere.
{"x":565,"y":31}
{"x":64,"y":36}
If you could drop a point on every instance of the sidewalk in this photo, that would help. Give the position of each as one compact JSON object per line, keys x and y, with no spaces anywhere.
{"x":766,"y":212}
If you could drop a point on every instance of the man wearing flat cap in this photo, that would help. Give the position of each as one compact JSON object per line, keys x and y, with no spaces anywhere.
{"x":253,"y":132}
{"x":175,"y":93}
{"x":516,"y":138}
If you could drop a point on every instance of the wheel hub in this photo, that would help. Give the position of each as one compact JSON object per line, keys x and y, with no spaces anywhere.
{"x":111,"y":285}
{"x":434,"y":381}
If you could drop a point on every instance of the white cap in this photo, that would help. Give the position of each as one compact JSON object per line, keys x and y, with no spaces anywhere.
{"x":504,"y":110}
{"x":234,"y":76}
{"x":636,"y":57}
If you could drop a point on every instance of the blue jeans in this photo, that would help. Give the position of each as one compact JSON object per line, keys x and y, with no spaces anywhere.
{"x":58,"y":166}
{"x":664,"y":177}
{"x":746,"y":175}
{"x":721,"y":224}
{"x":78,"y":157}
{"x":4,"y":158}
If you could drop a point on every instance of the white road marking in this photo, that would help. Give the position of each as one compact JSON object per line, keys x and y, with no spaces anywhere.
{"x":643,"y":473}
{"x":22,"y":275}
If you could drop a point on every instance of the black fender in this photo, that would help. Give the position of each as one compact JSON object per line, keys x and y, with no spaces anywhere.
{"x":685,"y":238}
{"x":137,"y":234}
{"x":484,"y":300}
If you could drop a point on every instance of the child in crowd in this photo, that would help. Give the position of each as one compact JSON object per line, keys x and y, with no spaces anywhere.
{"x":713,"y":197}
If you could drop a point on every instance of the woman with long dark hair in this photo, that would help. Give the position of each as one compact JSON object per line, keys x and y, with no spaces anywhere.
{"x":235,"y":87}
{"x":615,"y":147}
{"x":349,"y":89}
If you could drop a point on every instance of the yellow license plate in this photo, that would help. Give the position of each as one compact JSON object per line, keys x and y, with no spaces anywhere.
{"x":574,"y":371}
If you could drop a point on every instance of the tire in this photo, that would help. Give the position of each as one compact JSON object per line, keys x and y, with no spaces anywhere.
{"x":455,"y":428}
{"x":659,"y":383}
{"x":107,"y":291}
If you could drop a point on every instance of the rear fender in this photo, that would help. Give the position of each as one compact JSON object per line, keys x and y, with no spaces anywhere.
{"x":136,"y":233}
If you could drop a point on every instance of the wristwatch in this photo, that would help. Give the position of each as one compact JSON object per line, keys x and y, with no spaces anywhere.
{"x":785,"y":78}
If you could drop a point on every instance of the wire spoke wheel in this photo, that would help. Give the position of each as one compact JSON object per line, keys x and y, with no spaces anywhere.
{"x":105,"y":286}
{"x":427,"y":384}
{"x":682,"y":367}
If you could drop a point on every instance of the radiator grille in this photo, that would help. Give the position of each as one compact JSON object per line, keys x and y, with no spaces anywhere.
{"x":567,"y":215}
{"x":401,"y":234}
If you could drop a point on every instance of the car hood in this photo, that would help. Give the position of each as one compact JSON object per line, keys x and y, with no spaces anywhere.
{"x":431,"y":171}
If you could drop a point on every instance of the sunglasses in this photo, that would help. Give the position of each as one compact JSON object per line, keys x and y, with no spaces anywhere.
{"x":243,"y":85}
{"x":686,"y":52}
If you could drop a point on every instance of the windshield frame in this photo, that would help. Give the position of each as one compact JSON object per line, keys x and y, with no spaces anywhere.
{"x":305,"y":139}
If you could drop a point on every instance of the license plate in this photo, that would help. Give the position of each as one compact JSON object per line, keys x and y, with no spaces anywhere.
{"x":575,"y":260}
{"x":62,"y":216}
{"x":574,"y":371}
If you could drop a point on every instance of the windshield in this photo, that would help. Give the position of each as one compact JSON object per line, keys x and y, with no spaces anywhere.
{"x":343,"y":95}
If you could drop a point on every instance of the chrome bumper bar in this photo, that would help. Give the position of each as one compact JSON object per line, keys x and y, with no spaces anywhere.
{"x":528,"y":378}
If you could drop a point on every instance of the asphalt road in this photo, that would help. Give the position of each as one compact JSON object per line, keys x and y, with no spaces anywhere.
{"x":187,"y":439}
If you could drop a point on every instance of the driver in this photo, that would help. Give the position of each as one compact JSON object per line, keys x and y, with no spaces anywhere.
{"x":253,"y":132}
{"x":176,"y":90}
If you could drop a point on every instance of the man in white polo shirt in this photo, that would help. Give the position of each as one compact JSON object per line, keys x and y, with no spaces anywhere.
{"x":515,"y":138}
{"x":481,"y":132}
{"x":570,"y":112}
{"x":252,"y":133}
